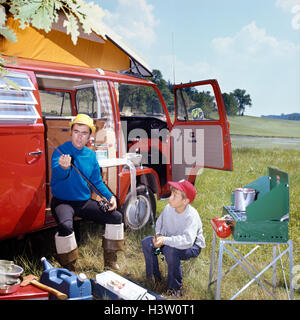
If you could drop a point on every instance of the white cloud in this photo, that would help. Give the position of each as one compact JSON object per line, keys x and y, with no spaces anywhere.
{"x":252,"y":42}
{"x":134,"y":21}
{"x":292,"y":6}
{"x":287,"y":4}
{"x":265,"y":66}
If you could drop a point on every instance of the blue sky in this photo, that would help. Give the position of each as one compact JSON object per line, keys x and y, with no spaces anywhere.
{"x":246,"y":44}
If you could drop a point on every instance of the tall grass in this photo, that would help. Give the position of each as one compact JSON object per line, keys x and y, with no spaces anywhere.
{"x":214,"y":191}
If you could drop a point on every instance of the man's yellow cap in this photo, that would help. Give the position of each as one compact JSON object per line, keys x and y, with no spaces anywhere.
{"x":82,"y":118}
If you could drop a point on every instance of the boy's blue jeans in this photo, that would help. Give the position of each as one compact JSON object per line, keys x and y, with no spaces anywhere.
{"x":172,"y":256}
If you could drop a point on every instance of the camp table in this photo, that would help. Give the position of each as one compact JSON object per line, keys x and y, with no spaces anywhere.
{"x":265,"y":222}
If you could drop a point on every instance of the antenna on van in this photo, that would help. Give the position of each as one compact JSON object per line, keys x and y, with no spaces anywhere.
{"x":173,"y":58}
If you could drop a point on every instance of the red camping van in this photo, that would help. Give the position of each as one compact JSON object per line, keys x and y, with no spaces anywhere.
{"x":131,"y":117}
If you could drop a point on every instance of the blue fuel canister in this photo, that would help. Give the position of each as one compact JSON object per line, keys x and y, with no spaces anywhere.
{"x":76,"y":287}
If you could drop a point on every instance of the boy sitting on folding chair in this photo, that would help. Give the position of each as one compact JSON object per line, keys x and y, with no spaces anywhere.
{"x":179,"y":236}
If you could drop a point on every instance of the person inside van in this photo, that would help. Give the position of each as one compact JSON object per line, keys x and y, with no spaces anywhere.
{"x":74,"y":168}
{"x":179,"y":236}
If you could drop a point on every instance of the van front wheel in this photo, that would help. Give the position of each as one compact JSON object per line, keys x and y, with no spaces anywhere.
{"x":138,"y":213}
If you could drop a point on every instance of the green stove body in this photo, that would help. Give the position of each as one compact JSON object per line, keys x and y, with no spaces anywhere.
{"x":265,"y":219}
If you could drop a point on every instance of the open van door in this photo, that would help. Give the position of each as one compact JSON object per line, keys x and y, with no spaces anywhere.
{"x":200,"y":133}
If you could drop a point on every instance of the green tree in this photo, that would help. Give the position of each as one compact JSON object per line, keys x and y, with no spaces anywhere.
{"x":164,"y":88}
{"x":231,"y":103}
{"x":243,"y":100}
{"x":203,"y":100}
{"x":41,"y":14}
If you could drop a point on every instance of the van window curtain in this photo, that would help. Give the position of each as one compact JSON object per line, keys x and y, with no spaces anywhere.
{"x":104,"y":106}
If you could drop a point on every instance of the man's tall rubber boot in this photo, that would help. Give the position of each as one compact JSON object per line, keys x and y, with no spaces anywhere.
{"x":112,"y":242}
{"x":67,"y":251}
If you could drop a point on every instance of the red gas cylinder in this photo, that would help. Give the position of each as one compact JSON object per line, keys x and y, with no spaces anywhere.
{"x":221,"y":227}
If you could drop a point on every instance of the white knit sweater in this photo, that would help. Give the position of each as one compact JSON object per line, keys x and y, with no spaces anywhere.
{"x":180,"y":230}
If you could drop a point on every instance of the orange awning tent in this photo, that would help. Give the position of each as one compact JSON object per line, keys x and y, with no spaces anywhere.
{"x":103,"y":51}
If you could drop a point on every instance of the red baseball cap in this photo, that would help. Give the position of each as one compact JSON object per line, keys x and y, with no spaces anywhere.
{"x":185,"y":187}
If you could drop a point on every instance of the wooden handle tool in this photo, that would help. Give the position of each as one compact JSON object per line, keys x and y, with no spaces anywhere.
{"x":31,"y":279}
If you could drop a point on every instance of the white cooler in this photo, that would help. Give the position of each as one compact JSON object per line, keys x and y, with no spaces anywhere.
{"x":122,"y":287}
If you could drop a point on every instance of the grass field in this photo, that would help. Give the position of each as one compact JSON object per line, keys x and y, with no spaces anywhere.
{"x":265,"y":142}
{"x":256,"y":126}
{"x":214,"y":190}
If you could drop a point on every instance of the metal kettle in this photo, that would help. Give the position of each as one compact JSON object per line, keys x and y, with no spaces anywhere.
{"x":243,"y":197}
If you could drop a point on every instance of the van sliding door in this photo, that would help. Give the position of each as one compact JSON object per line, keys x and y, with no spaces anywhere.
{"x":22,"y":157}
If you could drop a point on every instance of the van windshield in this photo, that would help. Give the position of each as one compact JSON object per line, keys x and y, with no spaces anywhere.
{"x":138,"y":100}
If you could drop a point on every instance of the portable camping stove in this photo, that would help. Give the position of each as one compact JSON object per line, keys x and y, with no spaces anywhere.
{"x":266,"y":219}
{"x":264,"y":222}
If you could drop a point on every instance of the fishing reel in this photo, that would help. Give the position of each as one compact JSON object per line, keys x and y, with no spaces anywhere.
{"x":103,"y":205}
{"x":156,"y":251}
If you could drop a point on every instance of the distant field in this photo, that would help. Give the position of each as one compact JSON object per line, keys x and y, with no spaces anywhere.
{"x":240,"y":141}
{"x":256,"y":126}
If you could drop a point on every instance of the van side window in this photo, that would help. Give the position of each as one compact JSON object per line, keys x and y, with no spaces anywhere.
{"x":138,"y":100}
{"x":86,"y":101}
{"x":55,"y":103}
{"x":94,"y":100}
{"x":17,"y":102}
{"x":196,"y":103}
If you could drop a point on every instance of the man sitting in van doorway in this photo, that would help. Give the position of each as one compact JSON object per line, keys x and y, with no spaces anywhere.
{"x":72,"y":196}
{"x":179,"y":236}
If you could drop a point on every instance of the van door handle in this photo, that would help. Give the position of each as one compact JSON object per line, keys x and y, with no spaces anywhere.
{"x":35,"y":153}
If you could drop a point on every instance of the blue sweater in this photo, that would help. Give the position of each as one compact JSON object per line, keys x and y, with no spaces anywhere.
{"x":67,"y":184}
